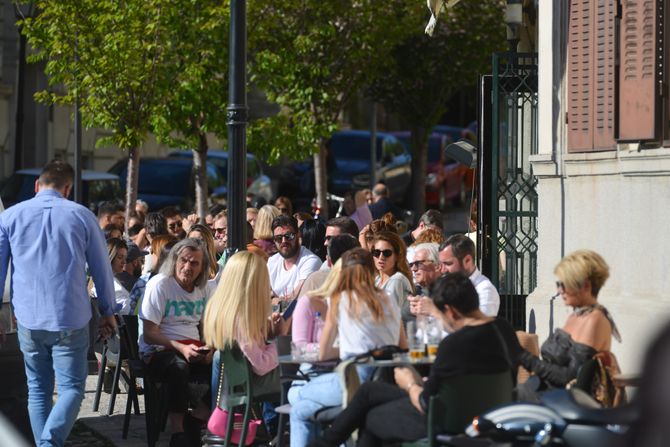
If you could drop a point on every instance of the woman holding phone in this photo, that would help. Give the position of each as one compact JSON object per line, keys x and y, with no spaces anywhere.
{"x":239,"y":312}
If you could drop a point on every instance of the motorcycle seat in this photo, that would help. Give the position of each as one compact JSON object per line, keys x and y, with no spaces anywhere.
{"x":575,"y":405}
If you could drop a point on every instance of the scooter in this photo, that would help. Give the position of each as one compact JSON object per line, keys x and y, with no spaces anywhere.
{"x":564,"y":417}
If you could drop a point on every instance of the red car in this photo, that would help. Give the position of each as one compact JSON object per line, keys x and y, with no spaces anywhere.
{"x":446,"y":180}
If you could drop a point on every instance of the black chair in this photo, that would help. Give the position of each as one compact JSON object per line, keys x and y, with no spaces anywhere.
{"x":129,"y":333}
{"x":116,"y":351}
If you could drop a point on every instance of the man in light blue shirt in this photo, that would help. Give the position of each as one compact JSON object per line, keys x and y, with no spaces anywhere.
{"x":50,"y":240}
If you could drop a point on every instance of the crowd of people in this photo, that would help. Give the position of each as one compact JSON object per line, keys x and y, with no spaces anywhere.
{"x":352,"y":283}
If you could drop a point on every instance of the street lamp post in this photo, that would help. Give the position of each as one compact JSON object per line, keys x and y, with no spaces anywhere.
{"x":237,"y":122}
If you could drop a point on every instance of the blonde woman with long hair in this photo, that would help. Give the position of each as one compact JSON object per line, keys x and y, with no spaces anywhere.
{"x":239,"y":313}
{"x":319,"y":286}
{"x":263,"y":229}
{"x":364,"y":317}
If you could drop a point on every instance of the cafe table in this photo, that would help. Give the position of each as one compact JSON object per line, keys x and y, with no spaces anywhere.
{"x":402,"y":359}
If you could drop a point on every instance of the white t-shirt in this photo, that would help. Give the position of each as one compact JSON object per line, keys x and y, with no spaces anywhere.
{"x":284,"y":281}
{"x":363,"y":333}
{"x":121,"y":296}
{"x":177,"y":311}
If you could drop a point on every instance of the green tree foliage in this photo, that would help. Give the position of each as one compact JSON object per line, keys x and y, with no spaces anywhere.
{"x":310,"y":58}
{"x":197,"y":69}
{"x":109,"y":53}
{"x":424,"y":72}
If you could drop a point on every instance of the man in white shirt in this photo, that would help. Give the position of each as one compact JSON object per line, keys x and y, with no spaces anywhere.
{"x":457,"y":254}
{"x":292,"y":263}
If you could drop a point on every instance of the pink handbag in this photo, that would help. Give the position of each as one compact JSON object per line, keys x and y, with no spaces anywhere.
{"x":218,"y":422}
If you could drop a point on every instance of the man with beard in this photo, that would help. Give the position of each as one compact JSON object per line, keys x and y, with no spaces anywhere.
{"x":457,"y":254}
{"x":293,"y":263}
{"x":133,"y":268}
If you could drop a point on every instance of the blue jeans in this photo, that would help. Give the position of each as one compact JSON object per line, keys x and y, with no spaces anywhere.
{"x":322,"y":391}
{"x":65,"y":354}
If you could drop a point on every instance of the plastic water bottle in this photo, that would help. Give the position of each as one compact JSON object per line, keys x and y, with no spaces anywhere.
{"x":318,"y":326}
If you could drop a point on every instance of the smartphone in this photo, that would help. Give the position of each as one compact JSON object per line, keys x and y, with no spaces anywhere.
{"x":204,"y":350}
{"x":289,"y":309}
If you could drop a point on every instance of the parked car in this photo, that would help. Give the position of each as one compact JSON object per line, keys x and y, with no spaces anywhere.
{"x":97,"y":187}
{"x":454,"y":133}
{"x":258,"y":183}
{"x":446,"y":180}
{"x":169,"y":181}
{"x":349,"y":166}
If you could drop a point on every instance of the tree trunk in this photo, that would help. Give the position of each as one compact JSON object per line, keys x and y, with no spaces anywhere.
{"x":131,"y":181}
{"x":321,"y":179}
{"x":419,"y":143}
{"x":200,"y":166}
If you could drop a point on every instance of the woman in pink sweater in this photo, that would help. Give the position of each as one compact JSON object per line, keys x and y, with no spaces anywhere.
{"x":239,"y":313}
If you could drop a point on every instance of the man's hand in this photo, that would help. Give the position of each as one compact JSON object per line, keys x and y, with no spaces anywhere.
{"x":408,"y":380}
{"x":404,"y":377}
{"x":190,"y":220}
{"x":106,"y":327}
{"x":191,"y":353}
{"x":422,"y":305}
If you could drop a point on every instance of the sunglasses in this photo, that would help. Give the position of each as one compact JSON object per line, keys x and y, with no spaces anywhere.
{"x":283,"y":210}
{"x":418,"y":264}
{"x":175,"y":225}
{"x":281,"y":237}
{"x":221,"y":230}
{"x":387,"y":253}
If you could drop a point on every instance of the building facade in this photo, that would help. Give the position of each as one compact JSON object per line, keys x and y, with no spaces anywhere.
{"x":603,"y":160}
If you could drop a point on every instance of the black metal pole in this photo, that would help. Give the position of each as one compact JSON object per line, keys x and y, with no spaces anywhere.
{"x":237,"y":123}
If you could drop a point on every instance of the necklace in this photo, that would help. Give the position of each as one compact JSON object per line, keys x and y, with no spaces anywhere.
{"x":585,"y":310}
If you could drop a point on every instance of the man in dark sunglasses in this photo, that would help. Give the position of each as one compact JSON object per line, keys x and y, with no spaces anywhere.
{"x":292,"y":263}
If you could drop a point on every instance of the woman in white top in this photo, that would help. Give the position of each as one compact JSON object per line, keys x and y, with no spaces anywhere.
{"x":364,"y":317}
{"x":117,"y":251}
{"x":393,"y":274}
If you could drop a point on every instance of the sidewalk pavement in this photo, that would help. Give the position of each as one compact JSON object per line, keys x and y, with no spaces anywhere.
{"x":109,"y":427}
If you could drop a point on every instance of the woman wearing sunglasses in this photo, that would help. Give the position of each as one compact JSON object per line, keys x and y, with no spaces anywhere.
{"x":393,"y":274}
{"x":588,"y":330}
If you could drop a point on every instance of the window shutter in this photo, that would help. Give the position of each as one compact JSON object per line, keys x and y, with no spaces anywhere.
{"x":604,"y":50}
{"x":580,"y":135}
{"x":591,"y":75}
{"x":640,"y":70}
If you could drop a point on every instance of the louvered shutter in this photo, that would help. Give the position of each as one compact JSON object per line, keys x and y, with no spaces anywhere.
{"x":640,"y":70}
{"x":591,"y":75}
{"x":580,"y":135}
{"x":604,"y":47}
